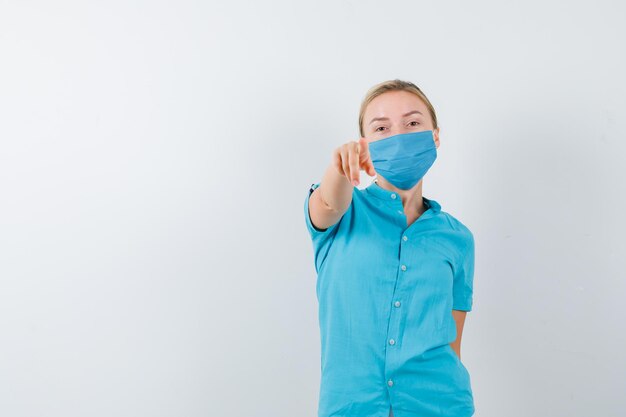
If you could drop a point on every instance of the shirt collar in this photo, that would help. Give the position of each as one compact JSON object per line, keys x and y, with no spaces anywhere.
{"x":379,"y":192}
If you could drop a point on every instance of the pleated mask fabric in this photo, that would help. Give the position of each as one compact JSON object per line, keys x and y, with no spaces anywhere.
{"x":405,"y":158}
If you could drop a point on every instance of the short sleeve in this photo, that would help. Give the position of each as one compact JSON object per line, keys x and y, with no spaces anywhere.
{"x":463,"y":287}
{"x":321,"y":238}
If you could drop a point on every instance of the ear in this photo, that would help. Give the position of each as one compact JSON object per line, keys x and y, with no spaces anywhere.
{"x":436,"y":136}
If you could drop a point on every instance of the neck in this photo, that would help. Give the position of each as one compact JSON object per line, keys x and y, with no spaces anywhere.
{"x":412,"y":199}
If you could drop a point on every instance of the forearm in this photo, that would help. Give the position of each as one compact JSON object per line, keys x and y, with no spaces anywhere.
{"x":456,"y":347}
{"x":335,"y":189}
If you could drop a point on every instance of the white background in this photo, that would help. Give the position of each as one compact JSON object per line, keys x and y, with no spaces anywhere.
{"x":155,"y":157}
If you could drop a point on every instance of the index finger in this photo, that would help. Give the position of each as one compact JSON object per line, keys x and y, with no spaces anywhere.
{"x":365,"y":157}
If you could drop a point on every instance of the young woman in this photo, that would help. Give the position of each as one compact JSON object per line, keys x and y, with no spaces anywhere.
{"x":394,"y":271}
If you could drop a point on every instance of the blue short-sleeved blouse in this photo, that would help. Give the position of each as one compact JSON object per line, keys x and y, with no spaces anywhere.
{"x":386,"y":294}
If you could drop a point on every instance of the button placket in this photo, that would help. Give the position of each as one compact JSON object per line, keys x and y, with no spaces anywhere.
{"x":398,"y":206}
{"x":394,"y":317}
{"x":397,"y":303}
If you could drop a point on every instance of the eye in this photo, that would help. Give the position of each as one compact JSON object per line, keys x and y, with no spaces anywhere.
{"x":379,"y":127}
{"x":416,"y":123}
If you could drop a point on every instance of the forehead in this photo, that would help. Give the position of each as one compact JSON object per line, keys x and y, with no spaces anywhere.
{"x":394,"y":104}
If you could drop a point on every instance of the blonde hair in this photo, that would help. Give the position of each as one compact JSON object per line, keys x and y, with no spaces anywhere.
{"x":394,"y":85}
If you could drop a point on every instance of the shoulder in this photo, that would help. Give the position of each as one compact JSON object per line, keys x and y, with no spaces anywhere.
{"x":464,"y":235}
{"x":455,"y":223}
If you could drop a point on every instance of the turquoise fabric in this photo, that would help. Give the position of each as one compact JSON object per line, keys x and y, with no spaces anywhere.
{"x":386,"y":294}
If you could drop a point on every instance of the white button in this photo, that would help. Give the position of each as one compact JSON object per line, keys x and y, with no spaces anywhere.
{"x":405,"y":238}
{"x":390,"y":383}
{"x":393,"y":196}
{"x":392,"y":342}
{"x":397,"y":304}
{"x":403,"y":267}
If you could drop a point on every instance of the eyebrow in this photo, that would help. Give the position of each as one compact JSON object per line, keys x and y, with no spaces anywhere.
{"x":386,"y":118}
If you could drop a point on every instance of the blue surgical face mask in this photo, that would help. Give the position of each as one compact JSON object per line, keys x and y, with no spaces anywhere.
{"x":405,"y":158}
